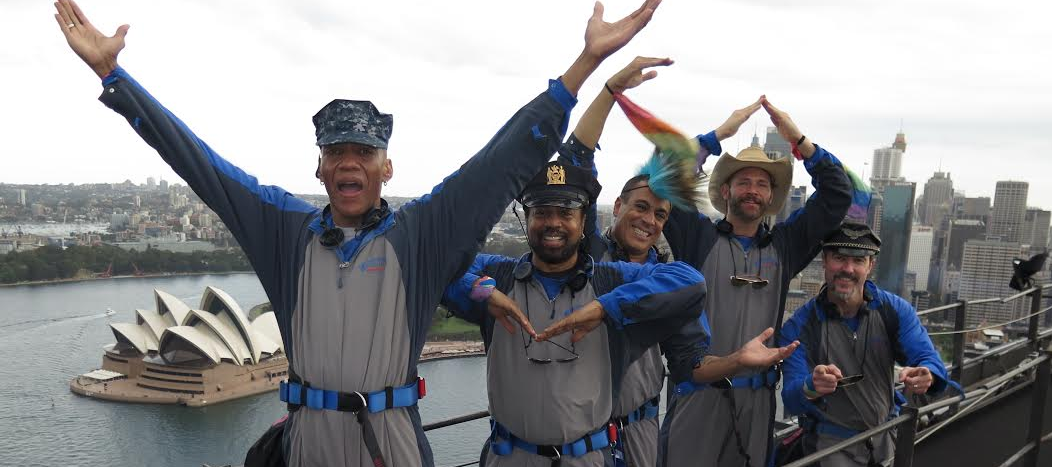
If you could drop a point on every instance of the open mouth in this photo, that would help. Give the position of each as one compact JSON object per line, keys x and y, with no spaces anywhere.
{"x":641,"y":234}
{"x":349,"y":188}
{"x":553,"y":240}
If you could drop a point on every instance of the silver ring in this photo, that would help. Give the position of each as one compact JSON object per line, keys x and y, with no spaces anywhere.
{"x":70,"y":26}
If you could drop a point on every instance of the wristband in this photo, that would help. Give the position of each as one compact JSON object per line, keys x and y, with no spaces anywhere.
{"x":611,"y":91}
{"x":796,"y":148}
{"x":482,"y":289}
{"x":809,"y":389}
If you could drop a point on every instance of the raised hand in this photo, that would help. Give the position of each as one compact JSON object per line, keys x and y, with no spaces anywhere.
{"x":508,"y":314}
{"x":790,"y":133}
{"x":825,"y":378}
{"x":755,"y":354}
{"x":602,"y":39}
{"x":917,"y":379}
{"x":737,"y":118}
{"x":96,"y":49}
{"x":581,"y":322}
{"x":633,"y":75}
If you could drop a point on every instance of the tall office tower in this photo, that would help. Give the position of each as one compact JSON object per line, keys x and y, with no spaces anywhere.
{"x":920,"y":255}
{"x":986,"y":271}
{"x":887,"y":163}
{"x":1009,"y":211}
{"x":896,"y":224}
{"x":961,"y":231}
{"x":796,"y":200}
{"x":151,"y":182}
{"x":937,"y":199}
{"x":775,"y":146}
{"x":876,"y":210}
{"x":21,"y":197}
{"x":1035,"y":229}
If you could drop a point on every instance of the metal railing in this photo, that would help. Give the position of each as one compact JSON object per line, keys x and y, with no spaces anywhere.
{"x":1037,"y":369}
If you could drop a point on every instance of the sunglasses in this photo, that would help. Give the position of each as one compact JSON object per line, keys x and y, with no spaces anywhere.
{"x":545,"y":361}
{"x":850,"y":380}
{"x":755,"y":281}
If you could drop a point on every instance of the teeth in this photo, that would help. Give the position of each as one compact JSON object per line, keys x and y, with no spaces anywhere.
{"x":641,"y":233}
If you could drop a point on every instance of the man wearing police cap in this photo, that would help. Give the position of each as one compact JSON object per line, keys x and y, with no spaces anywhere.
{"x":552,"y":397}
{"x":841,"y":379}
{"x":354,"y":285}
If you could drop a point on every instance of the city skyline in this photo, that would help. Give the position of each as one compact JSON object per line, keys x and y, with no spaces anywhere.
{"x":250,"y":92}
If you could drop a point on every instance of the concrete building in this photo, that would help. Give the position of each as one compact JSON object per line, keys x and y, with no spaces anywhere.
{"x":775,"y":146}
{"x":1009,"y":211}
{"x":1035,"y":229}
{"x":937,"y":200}
{"x":985,"y":273}
{"x":795,"y":200}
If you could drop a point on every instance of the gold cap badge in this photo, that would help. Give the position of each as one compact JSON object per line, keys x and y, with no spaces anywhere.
{"x":556,"y":175}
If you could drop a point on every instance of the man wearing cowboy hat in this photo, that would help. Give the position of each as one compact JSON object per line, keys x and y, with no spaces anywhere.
{"x":748,"y":266}
{"x":841,"y":380}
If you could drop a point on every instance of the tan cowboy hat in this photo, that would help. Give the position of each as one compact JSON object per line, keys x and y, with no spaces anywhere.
{"x":781,"y":171}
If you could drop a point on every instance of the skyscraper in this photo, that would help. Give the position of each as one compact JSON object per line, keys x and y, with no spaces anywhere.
{"x":962,"y":231}
{"x":985,"y":274}
{"x":796,"y":200}
{"x":896,"y":223}
{"x":920,"y":254}
{"x":887,"y":163}
{"x":937,"y":199}
{"x":1009,"y":211}
{"x":1035,"y":229}
{"x":775,"y":146}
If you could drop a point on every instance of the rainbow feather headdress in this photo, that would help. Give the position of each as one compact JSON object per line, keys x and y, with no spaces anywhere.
{"x":674,"y":167}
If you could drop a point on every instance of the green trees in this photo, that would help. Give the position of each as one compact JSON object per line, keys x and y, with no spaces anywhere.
{"x":52,"y":263}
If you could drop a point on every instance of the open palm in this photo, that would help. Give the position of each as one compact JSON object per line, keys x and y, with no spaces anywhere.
{"x":602,"y":39}
{"x":756,"y":354}
{"x":96,"y":49}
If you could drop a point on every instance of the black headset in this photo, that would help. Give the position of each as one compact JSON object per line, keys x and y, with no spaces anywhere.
{"x":725,"y":228}
{"x":579,"y":279}
{"x":333,"y":236}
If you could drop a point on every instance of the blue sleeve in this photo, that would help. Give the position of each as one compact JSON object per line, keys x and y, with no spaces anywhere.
{"x":574,"y":153}
{"x":457,"y":296}
{"x":654,"y":291}
{"x":710,"y":142}
{"x":804,"y":231}
{"x":917,"y":346}
{"x":797,"y":369}
{"x":267,"y":222}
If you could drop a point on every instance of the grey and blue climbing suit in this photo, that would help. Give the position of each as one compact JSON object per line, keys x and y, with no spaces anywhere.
{"x":559,"y":413}
{"x":354,"y":317}
{"x":699,"y":428}
{"x":887,"y":331}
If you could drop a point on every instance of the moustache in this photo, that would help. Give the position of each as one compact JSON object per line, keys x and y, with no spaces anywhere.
{"x":843,"y":275}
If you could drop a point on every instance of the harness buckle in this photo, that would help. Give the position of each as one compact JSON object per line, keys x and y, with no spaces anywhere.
{"x":551,"y":452}
{"x":724,"y":383}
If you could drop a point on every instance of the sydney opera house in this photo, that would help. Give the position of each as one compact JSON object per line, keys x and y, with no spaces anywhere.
{"x":191,"y":356}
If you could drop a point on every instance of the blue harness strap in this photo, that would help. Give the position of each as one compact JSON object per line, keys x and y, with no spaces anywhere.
{"x":766,"y":379}
{"x":302,"y":394}
{"x":502,"y":442}
{"x":647,"y":411}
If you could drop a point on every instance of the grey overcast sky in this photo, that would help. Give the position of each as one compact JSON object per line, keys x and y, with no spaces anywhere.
{"x":970,"y":80}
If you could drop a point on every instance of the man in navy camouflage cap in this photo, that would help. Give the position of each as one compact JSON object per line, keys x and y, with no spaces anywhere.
{"x":354,"y":285}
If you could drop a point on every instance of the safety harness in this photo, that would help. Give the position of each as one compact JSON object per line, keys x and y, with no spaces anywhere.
{"x":649,"y":410}
{"x":767,"y":379}
{"x":299,"y":393}
{"x":502,"y":442}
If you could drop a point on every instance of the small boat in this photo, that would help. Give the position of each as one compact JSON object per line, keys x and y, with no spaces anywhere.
{"x":110,"y":312}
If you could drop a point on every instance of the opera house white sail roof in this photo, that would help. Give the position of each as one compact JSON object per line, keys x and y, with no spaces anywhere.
{"x":217,"y":331}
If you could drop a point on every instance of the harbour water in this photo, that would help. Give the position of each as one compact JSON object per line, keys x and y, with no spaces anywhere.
{"x":50,"y":333}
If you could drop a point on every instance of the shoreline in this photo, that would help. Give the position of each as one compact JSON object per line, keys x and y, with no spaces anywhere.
{"x":144,"y":276}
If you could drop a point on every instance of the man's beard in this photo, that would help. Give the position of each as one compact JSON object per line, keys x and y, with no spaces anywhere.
{"x":844,"y":296}
{"x":736,"y":207}
{"x":555,"y":255}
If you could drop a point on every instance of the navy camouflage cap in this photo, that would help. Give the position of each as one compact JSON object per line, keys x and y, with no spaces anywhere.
{"x":853,"y":239}
{"x":344,"y":121}
{"x":561,"y":185}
